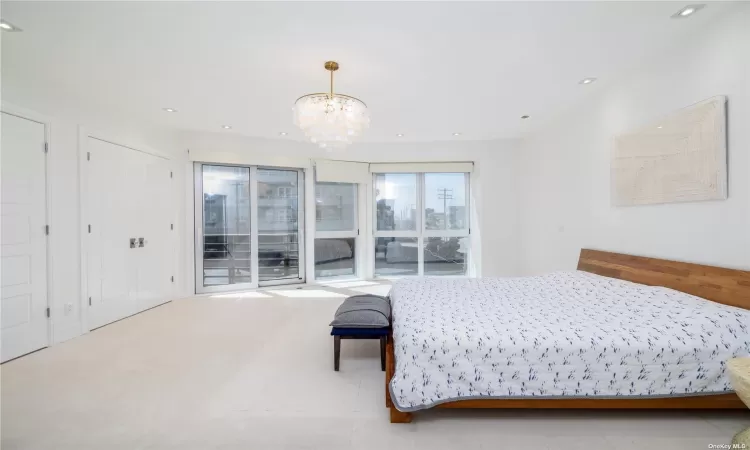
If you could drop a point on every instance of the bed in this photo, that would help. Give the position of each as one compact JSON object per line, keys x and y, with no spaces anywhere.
{"x":620,"y":332}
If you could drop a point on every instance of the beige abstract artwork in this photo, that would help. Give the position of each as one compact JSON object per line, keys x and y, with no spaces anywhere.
{"x":681,"y":158}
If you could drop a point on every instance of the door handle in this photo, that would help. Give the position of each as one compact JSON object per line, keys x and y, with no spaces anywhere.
{"x":132,"y":243}
{"x":141,"y":242}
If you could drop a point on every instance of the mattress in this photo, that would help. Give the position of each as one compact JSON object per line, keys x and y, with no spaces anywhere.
{"x":564,"y":334}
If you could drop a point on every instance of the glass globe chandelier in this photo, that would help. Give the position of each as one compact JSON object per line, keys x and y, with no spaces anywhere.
{"x":331,"y":120}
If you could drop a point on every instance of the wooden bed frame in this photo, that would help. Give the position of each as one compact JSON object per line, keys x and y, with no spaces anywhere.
{"x":721,"y":285}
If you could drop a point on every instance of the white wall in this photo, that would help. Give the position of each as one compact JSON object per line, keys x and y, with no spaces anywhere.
{"x":64,"y":194}
{"x":564,"y":169}
{"x":536,"y":202}
{"x":496,"y":196}
{"x":494,"y":223}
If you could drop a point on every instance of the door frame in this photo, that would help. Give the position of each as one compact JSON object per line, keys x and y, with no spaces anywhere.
{"x":302,"y":206}
{"x":301,"y":210}
{"x":46,"y":121}
{"x":84,"y":133}
{"x":198,"y":237}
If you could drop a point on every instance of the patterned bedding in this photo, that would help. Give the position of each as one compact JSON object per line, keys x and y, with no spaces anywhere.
{"x":571,"y":334}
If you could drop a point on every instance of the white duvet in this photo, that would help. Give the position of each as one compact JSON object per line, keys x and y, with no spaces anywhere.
{"x":569,"y":334}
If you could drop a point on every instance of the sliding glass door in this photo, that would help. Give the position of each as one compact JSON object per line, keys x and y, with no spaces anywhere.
{"x":248,"y":227}
{"x":280,"y":205}
{"x":222,"y":228}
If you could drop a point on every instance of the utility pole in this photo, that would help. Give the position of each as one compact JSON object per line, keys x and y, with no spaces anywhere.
{"x":445,"y":194}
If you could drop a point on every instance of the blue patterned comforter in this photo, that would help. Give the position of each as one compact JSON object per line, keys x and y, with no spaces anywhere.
{"x":571,"y":334}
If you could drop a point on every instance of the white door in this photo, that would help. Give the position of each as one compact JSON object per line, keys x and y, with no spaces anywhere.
{"x":110,"y":209}
{"x":24,"y":243}
{"x":130,"y":251}
{"x":155,"y":258}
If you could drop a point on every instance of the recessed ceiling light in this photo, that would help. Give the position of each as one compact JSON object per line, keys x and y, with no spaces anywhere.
{"x":525,"y":116}
{"x":587,"y":81}
{"x":687,"y":11}
{"x":283,"y":133}
{"x":8,"y":26}
{"x":226,"y":127}
{"x":456,"y":134}
{"x":169,"y":109}
{"x":400,"y":135}
{"x":660,"y":126}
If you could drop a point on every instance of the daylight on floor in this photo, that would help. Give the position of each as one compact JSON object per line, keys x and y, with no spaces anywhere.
{"x":285,"y":225}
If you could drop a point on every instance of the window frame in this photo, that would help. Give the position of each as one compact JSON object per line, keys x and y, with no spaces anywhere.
{"x":254,"y":205}
{"x":341,"y":234}
{"x":396,"y":233}
{"x":449,"y":233}
{"x":354,"y":232}
{"x":420,"y":233}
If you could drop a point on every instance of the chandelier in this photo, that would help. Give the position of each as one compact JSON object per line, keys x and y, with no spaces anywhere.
{"x":331,"y":120}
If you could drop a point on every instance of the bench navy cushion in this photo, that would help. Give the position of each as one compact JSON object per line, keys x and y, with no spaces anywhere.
{"x":359,"y":331}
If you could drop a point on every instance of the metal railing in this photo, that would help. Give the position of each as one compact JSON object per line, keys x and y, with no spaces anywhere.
{"x":227,"y":258}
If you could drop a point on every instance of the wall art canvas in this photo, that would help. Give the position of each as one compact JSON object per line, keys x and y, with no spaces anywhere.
{"x":681,"y":158}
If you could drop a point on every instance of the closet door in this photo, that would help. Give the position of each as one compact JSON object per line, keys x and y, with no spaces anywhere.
{"x":131,"y":245}
{"x":113,"y":189}
{"x":155,"y":253}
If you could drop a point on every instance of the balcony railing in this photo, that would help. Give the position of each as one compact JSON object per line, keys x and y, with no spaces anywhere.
{"x":227,"y":258}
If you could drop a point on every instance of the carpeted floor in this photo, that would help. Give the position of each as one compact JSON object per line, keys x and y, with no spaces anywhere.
{"x":256,"y":372}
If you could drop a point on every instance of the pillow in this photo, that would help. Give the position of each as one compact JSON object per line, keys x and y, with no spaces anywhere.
{"x":363,"y":311}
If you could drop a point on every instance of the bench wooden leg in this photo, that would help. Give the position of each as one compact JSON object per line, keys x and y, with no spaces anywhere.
{"x":382,"y":353}
{"x":400,"y":417}
{"x":336,"y":352}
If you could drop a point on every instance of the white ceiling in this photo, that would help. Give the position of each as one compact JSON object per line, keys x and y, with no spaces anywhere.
{"x":424,"y":69}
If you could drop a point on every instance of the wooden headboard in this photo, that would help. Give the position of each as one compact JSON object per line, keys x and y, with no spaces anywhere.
{"x":727,"y":286}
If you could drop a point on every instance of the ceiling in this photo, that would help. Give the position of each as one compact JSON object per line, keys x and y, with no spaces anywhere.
{"x":426,"y":70}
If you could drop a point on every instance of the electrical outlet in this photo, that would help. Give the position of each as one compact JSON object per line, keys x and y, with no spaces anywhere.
{"x":68,"y":308}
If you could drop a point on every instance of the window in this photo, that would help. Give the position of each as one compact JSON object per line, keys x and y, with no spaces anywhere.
{"x":445,"y":255}
{"x":335,"y":206}
{"x":445,"y":201}
{"x":421,"y":224}
{"x":396,"y":201}
{"x":335,"y":257}
{"x":396,"y":256}
{"x":336,"y":229}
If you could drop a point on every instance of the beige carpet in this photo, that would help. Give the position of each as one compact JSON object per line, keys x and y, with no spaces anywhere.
{"x":257,"y":373}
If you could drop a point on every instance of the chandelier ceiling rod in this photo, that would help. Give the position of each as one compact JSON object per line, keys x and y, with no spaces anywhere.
{"x":331,"y":66}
